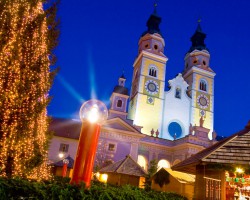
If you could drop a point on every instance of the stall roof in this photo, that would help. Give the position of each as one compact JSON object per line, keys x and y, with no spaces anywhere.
{"x":232,"y":150}
{"x":180,"y":176}
{"x":125,"y":166}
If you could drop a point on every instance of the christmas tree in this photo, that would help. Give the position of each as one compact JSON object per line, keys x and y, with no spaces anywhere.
{"x":28,"y":34}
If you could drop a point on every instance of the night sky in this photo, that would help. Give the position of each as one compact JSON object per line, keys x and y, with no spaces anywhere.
{"x":100,"y":38}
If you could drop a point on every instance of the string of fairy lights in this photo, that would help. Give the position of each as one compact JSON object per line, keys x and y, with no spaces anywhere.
{"x":24,"y":84}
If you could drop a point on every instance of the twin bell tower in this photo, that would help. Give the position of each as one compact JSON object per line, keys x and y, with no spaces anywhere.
{"x":188,"y":103}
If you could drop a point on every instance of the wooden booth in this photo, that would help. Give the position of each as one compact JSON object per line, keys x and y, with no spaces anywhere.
{"x":125,"y":171}
{"x":222,"y":170}
{"x":174,"y":181}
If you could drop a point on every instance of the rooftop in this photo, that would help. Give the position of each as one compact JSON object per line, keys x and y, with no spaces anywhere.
{"x":232,"y":150}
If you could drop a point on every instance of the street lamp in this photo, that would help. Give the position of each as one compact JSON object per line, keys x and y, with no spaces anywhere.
{"x":93,"y":114}
{"x":61,"y":155}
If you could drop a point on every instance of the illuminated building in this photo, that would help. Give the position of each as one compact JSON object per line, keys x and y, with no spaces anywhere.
{"x":165,"y":125}
{"x":191,"y":94}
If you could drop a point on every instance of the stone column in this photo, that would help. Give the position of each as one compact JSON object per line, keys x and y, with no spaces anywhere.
{"x":134,"y":151}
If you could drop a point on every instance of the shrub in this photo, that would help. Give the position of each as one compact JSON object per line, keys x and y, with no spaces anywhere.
{"x":60,"y":189}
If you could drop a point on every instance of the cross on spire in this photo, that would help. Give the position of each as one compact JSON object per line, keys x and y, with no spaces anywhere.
{"x":155,"y":6}
{"x":198,"y":39}
{"x":122,"y":76}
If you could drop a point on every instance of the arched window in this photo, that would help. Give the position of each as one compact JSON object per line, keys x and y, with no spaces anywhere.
{"x":142,"y":162}
{"x":152,"y":71}
{"x":163,"y":164}
{"x":178,"y":93}
{"x":203,"y":85}
{"x":176,"y":161}
{"x":119,"y":103}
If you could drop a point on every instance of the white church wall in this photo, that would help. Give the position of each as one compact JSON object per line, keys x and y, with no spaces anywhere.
{"x":176,"y":109}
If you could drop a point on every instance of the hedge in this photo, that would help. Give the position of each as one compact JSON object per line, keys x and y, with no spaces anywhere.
{"x":60,"y":189}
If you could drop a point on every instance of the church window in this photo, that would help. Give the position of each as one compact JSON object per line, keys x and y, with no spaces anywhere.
{"x":178,"y":93}
{"x":119,"y":103}
{"x":163,"y":164}
{"x":111,"y":147}
{"x":175,"y":130}
{"x":176,"y":161}
{"x":142,"y":162}
{"x":146,"y":46}
{"x":195,"y":61}
{"x":203,"y":85}
{"x":204,"y":62}
{"x":152,"y":71}
{"x":64,"y":148}
{"x":155,"y":47}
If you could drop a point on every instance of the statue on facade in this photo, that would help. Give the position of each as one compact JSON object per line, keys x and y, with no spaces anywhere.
{"x":157,"y":133}
{"x":201,"y":121}
{"x":174,"y":136}
{"x":191,"y":129}
{"x":152,"y":132}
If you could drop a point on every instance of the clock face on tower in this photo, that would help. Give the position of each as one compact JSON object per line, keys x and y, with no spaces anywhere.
{"x":152,"y":87}
{"x":203,"y":101}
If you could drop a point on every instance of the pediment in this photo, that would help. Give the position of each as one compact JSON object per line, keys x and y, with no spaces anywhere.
{"x":119,"y":124}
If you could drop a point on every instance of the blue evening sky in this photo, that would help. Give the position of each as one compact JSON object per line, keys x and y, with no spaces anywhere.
{"x":99,"y":39}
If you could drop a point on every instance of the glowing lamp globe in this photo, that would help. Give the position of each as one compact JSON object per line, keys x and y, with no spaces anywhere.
{"x":60,"y":155}
{"x":94,"y":111}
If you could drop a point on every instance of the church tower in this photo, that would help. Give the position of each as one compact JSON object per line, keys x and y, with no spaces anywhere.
{"x":147,"y":93}
{"x":200,"y":78}
{"x":119,"y":100}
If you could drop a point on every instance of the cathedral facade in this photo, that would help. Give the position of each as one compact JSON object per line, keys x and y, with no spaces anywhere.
{"x":151,"y":123}
{"x":191,"y":95}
